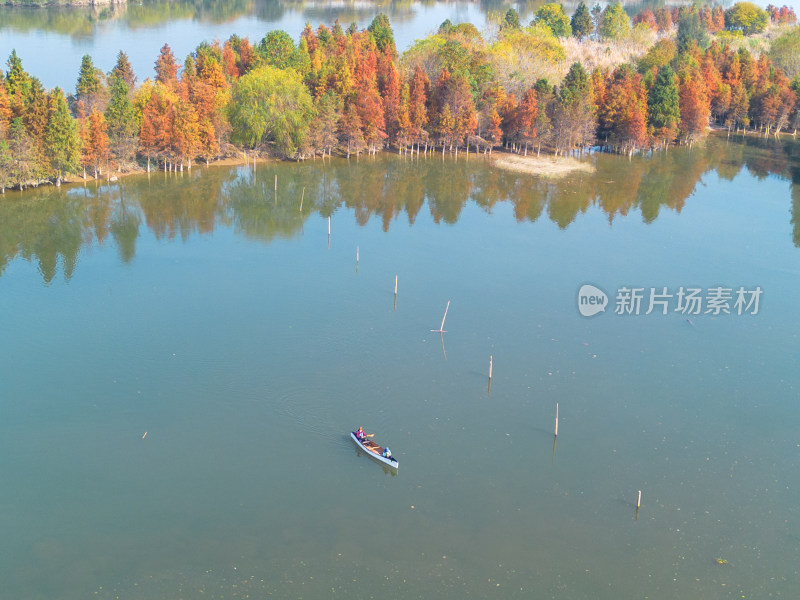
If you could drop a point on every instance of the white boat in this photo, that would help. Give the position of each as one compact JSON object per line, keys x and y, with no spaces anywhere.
{"x":373,"y":450}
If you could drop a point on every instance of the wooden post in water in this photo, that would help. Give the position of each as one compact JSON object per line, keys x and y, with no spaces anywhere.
{"x":395,"y":285}
{"x":556,"y":434}
{"x":276,"y":182}
{"x":441,"y":329}
{"x":638,"y":505}
{"x":490,"y":366}
{"x":303,"y":195}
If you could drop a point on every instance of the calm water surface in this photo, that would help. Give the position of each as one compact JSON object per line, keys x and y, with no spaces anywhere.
{"x":219,"y":318}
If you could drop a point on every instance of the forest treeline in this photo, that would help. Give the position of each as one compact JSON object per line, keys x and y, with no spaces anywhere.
{"x":348,"y":91}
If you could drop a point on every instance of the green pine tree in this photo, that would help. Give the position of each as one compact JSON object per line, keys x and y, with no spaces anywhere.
{"x":581,"y":22}
{"x":121,"y":120}
{"x":124,"y":70}
{"x":89,"y":82}
{"x":614,"y":22}
{"x":63,"y":144}
{"x":663,"y":105}
{"x":381,"y":31}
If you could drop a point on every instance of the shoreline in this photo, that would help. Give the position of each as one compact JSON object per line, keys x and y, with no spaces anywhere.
{"x":545,"y":166}
{"x":548,"y":166}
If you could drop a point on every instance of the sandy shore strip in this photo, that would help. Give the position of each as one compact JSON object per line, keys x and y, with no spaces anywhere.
{"x":544,"y":166}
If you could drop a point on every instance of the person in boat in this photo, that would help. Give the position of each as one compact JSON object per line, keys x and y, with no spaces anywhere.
{"x":361,"y":435}
{"x":387,"y":453}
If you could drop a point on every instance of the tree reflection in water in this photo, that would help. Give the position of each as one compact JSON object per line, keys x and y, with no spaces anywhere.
{"x":49,"y":226}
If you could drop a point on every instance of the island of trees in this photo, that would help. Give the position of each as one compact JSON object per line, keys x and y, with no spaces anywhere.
{"x":559,"y":84}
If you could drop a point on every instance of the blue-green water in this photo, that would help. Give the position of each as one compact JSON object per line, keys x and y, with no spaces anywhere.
{"x":224,"y":322}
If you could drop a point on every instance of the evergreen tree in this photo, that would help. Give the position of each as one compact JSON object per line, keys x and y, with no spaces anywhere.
{"x":121,"y":121}
{"x":510,"y":21}
{"x":574,"y":119}
{"x":614,"y":22}
{"x":124,"y":70}
{"x":581,"y":22}
{"x":63,"y":143}
{"x":5,"y":165}
{"x":18,"y":84}
{"x":36,"y":109}
{"x":663,"y":103}
{"x":382,"y":33}
{"x":25,"y":164}
{"x":89,"y":85}
{"x":691,"y":29}
{"x":277,"y":49}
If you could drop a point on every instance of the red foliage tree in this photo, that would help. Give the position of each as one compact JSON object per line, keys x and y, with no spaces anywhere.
{"x":389,"y":88}
{"x":155,"y":136}
{"x":510,"y":124}
{"x":419,"y":87}
{"x":166,"y":67}
{"x":5,"y":109}
{"x":96,"y":144}
{"x":229,"y":61}
{"x":622,"y":115}
{"x":647,"y":17}
{"x":663,"y":18}
{"x":694,"y":107}
{"x":528,"y":117}
{"x":185,"y":141}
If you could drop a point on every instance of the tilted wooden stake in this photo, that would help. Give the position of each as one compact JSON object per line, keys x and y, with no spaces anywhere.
{"x":441,"y":329}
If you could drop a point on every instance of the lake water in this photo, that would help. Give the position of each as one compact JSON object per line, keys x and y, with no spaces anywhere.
{"x":221,"y":319}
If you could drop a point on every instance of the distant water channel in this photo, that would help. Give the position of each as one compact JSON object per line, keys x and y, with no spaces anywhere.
{"x":213,"y":315}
